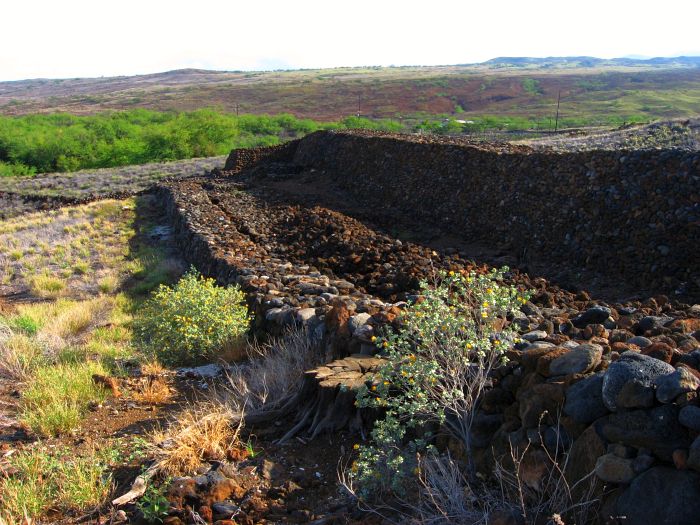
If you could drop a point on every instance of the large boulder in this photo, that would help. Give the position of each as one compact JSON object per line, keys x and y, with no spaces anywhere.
{"x":631,"y":366}
{"x":584,"y":400}
{"x":661,"y":496}
{"x":580,"y":360}
{"x":614,"y":469}
{"x":656,"y":429}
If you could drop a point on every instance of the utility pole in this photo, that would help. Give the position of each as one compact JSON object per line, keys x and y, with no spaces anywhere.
{"x":359,"y":105}
{"x":237,"y":107}
{"x":556,"y":122}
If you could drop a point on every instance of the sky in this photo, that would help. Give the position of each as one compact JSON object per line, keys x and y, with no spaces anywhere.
{"x":92,"y":38}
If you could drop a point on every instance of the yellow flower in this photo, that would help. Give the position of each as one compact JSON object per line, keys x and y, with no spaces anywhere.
{"x":374,"y":387}
{"x":374,"y":338}
{"x":485,"y":304}
{"x":356,"y":446}
{"x":451,"y":273}
{"x":484,"y":314}
{"x":489,"y":290}
{"x":385,"y":344}
{"x":386,"y":383}
{"x":469,"y":346}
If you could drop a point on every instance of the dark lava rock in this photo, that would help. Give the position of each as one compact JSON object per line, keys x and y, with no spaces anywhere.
{"x":670,"y":386}
{"x":657,"y":429}
{"x":640,"y":341}
{"x":631,"y":366}
{"x":584,"y":400}
{"x":661,"y":496}
{"x":689,"y":417}
{"x":651,"y":322}
{"x":595,"y":315}
{"x":635,"y":394}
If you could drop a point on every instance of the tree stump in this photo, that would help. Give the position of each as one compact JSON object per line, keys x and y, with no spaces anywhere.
{"x":326,"y":400}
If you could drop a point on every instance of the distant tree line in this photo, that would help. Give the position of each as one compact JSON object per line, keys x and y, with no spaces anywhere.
{"x":63,"y":142}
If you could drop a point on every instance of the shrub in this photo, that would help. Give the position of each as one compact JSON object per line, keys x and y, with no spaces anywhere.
{"x":438,"y":366}
{"x":192,"y":321}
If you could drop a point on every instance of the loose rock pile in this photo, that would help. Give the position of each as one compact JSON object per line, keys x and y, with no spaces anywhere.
{"x":617,"y":382}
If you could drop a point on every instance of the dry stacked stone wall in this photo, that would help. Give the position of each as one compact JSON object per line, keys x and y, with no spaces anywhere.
{"x":243,"y":158}
{"x":632,"y":214}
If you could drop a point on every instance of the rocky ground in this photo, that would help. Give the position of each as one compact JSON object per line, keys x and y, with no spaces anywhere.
{"x":48,"y":190}
{"x":678,"y":134}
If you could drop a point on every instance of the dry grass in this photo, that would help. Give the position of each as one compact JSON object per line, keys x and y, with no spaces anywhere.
{"x":203,"y":431}
{"x":154,"y":391}
{"x":443,"y":494}
{"x":152,"y":368}
{"x":107,"y":180}
{"x":272,"y":373}
{"x":80,"y":317}
{"x":74,"y":251}
{"x":47,"y":286}
{"x":19,"y":356}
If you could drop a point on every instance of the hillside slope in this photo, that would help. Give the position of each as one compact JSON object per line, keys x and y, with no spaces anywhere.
{"x":596,"y":90}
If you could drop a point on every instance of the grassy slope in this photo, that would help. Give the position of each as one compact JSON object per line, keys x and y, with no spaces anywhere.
{"x":91,"y":267}
{"x":595,"y":93}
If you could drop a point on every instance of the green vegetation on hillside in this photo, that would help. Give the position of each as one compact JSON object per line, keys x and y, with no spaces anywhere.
{"x":63,"y":142}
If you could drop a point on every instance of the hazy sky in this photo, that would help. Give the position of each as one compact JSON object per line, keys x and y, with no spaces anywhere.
{"x":71,"y":38}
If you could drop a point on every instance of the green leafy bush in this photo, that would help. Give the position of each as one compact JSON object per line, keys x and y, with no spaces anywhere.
{"x":438,"y":365}
{"x":192,"y":321}
{"x":154,"y":505}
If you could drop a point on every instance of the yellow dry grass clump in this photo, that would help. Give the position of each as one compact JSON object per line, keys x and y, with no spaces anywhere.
{"x":204,"y":431}
{"x":154,"y":391}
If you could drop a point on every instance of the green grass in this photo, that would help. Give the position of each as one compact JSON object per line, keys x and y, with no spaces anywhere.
{"x":46,"y":285}
{"x":59,"y":395}
{"x":55,"y":479}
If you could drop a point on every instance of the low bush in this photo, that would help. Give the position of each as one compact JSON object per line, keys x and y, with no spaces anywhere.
{"x":439,"y":364}
{"x":193,"y":321}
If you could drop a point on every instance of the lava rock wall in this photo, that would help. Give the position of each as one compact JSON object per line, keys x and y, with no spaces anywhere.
{"x":242,"y":158}
{"x":629,"y":214}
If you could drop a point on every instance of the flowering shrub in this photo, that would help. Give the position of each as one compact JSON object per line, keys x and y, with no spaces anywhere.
{"x":192,"y":321}
{"x":438,"y":365}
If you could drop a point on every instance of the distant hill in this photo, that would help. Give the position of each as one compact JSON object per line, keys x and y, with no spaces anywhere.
{"x":590,"y":62}
{"x":593,"y":90}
